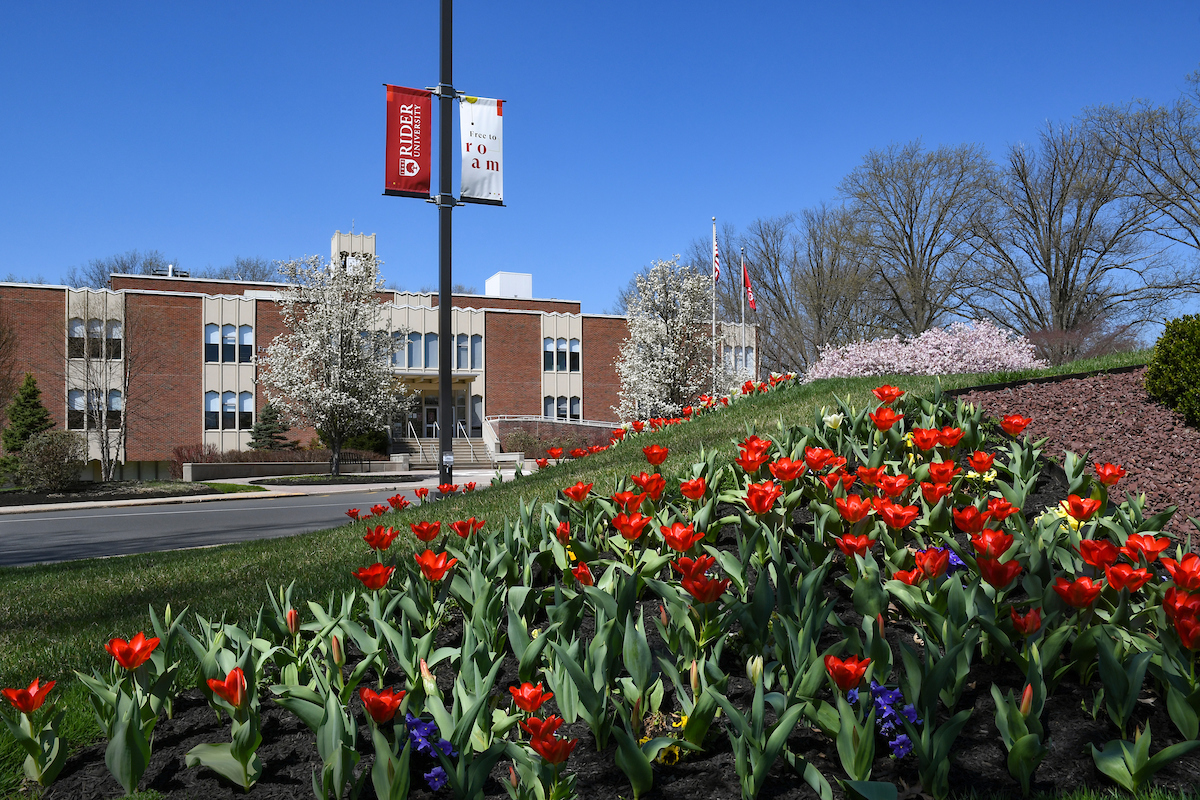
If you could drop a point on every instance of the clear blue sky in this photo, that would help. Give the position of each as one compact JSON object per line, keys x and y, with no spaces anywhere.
{"x":212,"y":130}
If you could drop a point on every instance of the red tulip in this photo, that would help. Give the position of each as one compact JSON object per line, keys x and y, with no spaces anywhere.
{"x":629,"y":501}
{"x":434,"y":566}
{"x":563,"y":533}
{"x":693,"y":567}
{"x":950,"y":437}
{"x":991,"y":544}
{"x":1028,"y":623}
{"x":680,"y":537}
{"x":853,"y":545}
{"x":887,"y":394}
{"x":925,"y":438}
{"x":293,"y":621}
{"x":981,"y":462}
{"x":552,"y":749}
{"x":1080,"y":508}
{"x":426,"y":531}
{"x":1000,"y":509}
{"x":704,"y":588}
{"x":847,"y":674}
{"x":583,"y":574}
{"x":528,"y":697}
{"x":578,"y":452}
{"x":969,"y":519}
{"x":380,"y":538}
{"x":465,"y":527}
{"x":232,"y":690}
{"x":1079,"y":593}
{"x":1188,"y":629}
{"x":870,"y":475}
{"x":1109,"y":474}
{"x":1186,"y":573}
{"x":909,"y":576}
{"x":542,"y":463}
{"x":998,"y":574}
{"x":1099,"y":553}
{"x":943,"y":471}
{"x":398,"y":501}
{"x":761,"y":497}
{"x":933,"y":563}
{"x":1139,"y":544}
{"x":884,"y":418}
{"x":447,"y":488}
{"x":1180,"y":604}
{"x":653,"y":485}
{"x":29,"y":699}
{"x":134,"y":653}
{"x":895,"y":485}
{"x":817,"y":458}
{"x":353,"y":514}
{"x":631,"y":525}
{"x":751,"y":462}
{"x":555,"y":452}
{"x":542,"y":728}
{"x":374,"y":577}
{"x":933,"y":492}
{"x":578,"y":492}
{"x":656,"y":454}
{"x":1123,"y":576}
{"x":422,"y":493}
{"x":379,"y":509}
{"x":1014,"y":424}
{"x":1026,"y":700}
{"x":381,"y":706}
{"x":784,"y":469}
{"x":693,"y":489}
{"x":897,"y":516}
{"x":853,"y":508}
{"x":469,"y":487}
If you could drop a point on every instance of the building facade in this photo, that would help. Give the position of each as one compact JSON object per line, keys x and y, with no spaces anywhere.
{"x":157,"y":362}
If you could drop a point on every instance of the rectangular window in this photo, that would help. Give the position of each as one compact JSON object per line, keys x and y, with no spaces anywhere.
{"x":75,"y":416}
{"x":575,"y":408}
{"x":476,"y":351}
{"x":212,"y":343}
{"x":548,"y":407}
{"x":562,"y":408}
{"x":75,"y":338}
{"x":95,"y":338}
{"x":461,"y":351}
{"x":113,"y":417}
{"x":246,"y":411}
{"x":562,"y":355}
{"x":228,"y":411}
{"x":431,"y":350}
{"x":212,"y":411}
{"x":228,"y":344}
{"x":574,"y":355}
{"x":548,"y":355}
{"x":245,"y":344}
{"x":414,"y":350}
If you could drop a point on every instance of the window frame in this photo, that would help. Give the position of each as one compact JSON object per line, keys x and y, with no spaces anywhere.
{"x":76,"y":337}
{"x":228,"y":344}
{"x":228,"y":416}
{"x":245,"y":334}
{"x":212,"y":343}
{"x":574,"y":348}
{"x":212,"y":411}
{"x":245,"y":417}
{"x":547,"y":354}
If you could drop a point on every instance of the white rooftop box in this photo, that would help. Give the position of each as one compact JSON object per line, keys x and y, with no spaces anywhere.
{"x":510,"y":284}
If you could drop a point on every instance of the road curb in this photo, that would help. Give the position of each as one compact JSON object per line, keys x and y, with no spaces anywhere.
{"x":149,"y":501}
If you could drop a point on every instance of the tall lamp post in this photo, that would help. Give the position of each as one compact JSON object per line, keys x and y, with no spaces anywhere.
{"x":445,"y":203}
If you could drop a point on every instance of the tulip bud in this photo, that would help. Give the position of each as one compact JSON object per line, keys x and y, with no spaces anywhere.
{"x":662,"y":615}
{"x":695,"y":679}
{"x":1027,"y":700}
{"x":512,"y":777}
{"x":167,"y":616}
{"x":293,"y":622}
{"x":427,"y":680}
{"x":754,"y":669}
{"x":335,"y":651}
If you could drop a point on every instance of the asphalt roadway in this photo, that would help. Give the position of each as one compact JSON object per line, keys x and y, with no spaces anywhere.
{"x":44,"y":537}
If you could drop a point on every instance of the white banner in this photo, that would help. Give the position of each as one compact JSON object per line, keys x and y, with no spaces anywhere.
{"x":480,"y":121}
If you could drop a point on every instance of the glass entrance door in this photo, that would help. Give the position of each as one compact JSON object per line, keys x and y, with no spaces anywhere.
{"x":431,"y":419}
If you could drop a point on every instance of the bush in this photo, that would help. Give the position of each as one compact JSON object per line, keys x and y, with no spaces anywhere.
{"x":975,"y":347}
{"x":1173,"y":378}
{"x":51,"y":461}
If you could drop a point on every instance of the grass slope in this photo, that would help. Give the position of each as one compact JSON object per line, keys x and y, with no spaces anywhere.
{"x":56,"y":618}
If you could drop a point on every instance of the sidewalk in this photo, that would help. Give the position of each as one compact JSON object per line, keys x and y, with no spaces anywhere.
{"x":483,"y":477}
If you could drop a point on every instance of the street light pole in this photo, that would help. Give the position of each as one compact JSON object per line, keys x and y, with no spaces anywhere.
{"x":445,"y":204}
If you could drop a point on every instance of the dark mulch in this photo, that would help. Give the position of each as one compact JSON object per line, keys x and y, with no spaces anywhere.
{"x":112,"y":490}
{"x":351,"y":478}
{"x":1112,"y":418}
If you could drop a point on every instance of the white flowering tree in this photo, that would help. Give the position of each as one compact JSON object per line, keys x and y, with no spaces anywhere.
{"x":331,"y":369}
{"x":667,"y":359}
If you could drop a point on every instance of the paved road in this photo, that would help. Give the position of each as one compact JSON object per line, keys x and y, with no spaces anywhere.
{"x":54,"y":536}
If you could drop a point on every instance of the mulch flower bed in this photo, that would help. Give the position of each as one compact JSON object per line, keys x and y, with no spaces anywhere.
{"x":1111,"y":417}
{"x":105,"y":491}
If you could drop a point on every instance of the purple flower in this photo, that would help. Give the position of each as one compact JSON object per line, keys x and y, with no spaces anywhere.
{"x":956,"y":563}
{"x":852,"y":696}
{"x":910,"y":713}
{"x":901,"y":746}
{"x":436,"y":778}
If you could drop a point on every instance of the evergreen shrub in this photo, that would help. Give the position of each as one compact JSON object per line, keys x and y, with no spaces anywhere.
{"x":1173,"y":377}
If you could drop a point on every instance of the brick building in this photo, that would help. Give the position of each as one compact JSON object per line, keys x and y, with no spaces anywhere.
{"x":161,"y":361}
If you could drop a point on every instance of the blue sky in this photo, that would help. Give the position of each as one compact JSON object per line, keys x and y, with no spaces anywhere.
{"x":210,"y":130}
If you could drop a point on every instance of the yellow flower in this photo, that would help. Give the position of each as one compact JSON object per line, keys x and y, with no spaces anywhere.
{"x":570,"y":554}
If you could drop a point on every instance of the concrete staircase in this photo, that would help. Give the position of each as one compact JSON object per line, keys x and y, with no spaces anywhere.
{"x":423,"y":453}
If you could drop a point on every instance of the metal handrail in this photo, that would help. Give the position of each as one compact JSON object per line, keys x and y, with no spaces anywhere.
{"x":413,"y":431}
{"x":536,"y":418}
{"x":466,"y":435}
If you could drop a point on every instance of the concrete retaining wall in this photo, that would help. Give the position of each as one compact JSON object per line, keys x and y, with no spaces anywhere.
{"x":265,"y":469}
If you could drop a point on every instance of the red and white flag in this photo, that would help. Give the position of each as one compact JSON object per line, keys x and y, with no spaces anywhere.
{"x":407,"y":154}
{"x":749,"y":288}
{"x":716,"y":258}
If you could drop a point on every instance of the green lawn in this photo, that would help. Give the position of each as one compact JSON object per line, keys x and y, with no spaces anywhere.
{"x":56,"y":618}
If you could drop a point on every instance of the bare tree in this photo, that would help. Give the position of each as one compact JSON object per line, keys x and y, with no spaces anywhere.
{"x":1068,"y":252}
{"x":8,"y":363}
{"x":95,"y":273}
{"x":242,"y":268}
{"x":918,"y":210}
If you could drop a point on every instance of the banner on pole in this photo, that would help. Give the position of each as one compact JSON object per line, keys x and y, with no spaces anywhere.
{"x":481,"y":125}
{"x":716,"y":258}
{"x":408,"y":152}
{"x":749,"y":288}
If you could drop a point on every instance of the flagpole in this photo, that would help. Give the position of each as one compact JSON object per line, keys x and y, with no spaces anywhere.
{"x":714,"y":309}
{"x":743,"y":293}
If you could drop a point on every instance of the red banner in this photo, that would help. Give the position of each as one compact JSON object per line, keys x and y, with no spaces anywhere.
{"x":749,"y":288}
{"x":409,"y":112}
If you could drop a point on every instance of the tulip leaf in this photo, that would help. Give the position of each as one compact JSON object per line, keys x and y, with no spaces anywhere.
{"x":871,"y":790}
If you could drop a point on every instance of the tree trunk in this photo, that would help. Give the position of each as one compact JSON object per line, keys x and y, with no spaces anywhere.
{"x":335,"y":455}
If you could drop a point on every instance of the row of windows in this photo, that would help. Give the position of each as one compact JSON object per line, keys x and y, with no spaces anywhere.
{"x":559,"y":407}
{"x":228,"y":411}
{"x":555,"y":355}
{"x":94,"y":409}
{"x":734,"y":360}
{"x":93,"y":339}
{"x":420,"y":351}
{"x":229,"y":344}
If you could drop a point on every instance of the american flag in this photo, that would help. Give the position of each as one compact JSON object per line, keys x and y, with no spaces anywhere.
{"x":716,"y":260}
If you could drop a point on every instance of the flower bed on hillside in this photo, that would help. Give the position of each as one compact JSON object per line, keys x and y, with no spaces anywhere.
{"x":883,"y":597}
